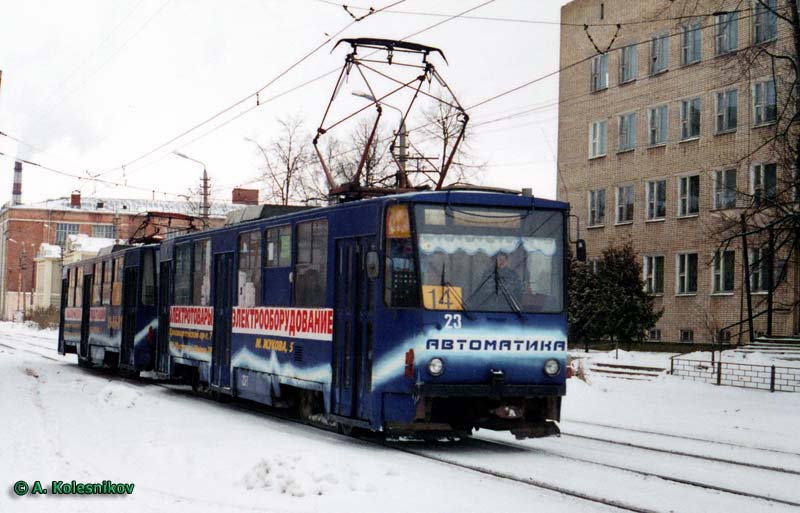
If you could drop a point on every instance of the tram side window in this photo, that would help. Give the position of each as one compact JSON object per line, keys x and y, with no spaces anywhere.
{"x":183,"y":275}
{"x":116,"y":287}
{"x":249,"y":289}
{"x":149,"y":279}
{"x":108,"y":274}
{"x":201,"y":279}
{"x":70,"y":288}
{"x":312,"y":260}
{"x":79,"y":286}
{"x":98,"y":283}
{"x":279,"y":246}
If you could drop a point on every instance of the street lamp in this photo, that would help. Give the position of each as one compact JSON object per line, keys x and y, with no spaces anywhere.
{"x":401,"y":158}
{"x":205,"y":186}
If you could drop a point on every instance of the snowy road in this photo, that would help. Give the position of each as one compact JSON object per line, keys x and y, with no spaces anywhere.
{"x":60,"y":422}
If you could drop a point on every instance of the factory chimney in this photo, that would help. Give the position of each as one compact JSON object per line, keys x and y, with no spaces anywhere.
{"x":16,"y":192}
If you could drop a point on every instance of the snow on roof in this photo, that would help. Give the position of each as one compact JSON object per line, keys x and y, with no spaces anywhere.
{"x":131,"y":206}
{"x":85,"y":244}
{"x":49,"y":251}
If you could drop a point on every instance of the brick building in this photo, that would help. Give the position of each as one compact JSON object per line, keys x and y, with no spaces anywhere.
{"x":661,"y":132}
{"x":25,"y":227}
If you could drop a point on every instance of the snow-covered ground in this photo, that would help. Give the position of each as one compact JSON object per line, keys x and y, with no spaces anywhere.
{"x":184,"y":453}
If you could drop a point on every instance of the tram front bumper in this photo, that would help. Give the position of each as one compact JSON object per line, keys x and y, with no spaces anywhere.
{"x":495,"y":389}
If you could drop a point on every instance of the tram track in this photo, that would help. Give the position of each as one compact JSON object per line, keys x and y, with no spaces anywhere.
{"x":674,"y":479}
{"x":683,"y":437}
{"x":594,"y":498}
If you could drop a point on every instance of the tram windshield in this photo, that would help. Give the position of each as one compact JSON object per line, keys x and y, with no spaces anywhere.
{"x":490,"y":259}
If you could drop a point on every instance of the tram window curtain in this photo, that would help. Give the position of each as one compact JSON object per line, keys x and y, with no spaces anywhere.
{"x":183,"y":275}
{"x":249,"y":273}
{"x":312,"y":259}
{"x":201,"y":277}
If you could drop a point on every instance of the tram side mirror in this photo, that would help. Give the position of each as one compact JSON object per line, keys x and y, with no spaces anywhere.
{"x":580,"y":250}
{"x":372,"y":265}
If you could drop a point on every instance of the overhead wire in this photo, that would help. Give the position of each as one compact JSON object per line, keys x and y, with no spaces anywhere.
{"x":293,"y":89}
{"x":533,"y":21}
{"x":249,"y":97}
{"x":144,"y":25}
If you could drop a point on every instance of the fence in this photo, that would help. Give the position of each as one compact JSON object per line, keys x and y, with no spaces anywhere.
{"x":772,"y":378}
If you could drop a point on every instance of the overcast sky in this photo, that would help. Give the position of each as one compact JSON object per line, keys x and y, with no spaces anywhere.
{"x":91,"y":85}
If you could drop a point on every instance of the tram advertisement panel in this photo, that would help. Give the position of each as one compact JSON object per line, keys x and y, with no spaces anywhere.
{"x":190,"y":330}
{"x":72,"y":324}
{"x":284,"y":341}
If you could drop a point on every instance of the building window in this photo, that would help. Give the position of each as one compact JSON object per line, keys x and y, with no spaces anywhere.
{"x":599,"y":72}
{"x":690,"y":119}
{"x":759,"y":270}
{"x":657,"y":123}
{"x":654,"y":334}
{"x":690,"y":44}
{"x":104,"y":231}
{"x":656,"y":199}
{"x":597,"y":207}
{"x":183,"y":274}
{"x":627,"y":131}
{"x":627,"y":64}
{"x":727,"y":32}
{"x":312,"y":263}
{"x":687,"y":273}
{"x":725,"y":188}
{"x":598,"y":133}
{"x":688,"y":195}
{"x":726,"y":114}
{"x":659,"y":53}
{"x":763,"y":182}
{"x":201,"y":274}
{"x":279,"y":246}
{"x":724,"y":269}
{"x":765,"y":21}
{"x":765,"y":108}
{"x":654,"y":274}
{"x":687,"y":335}
{"x":625,"y":204}
{"x":64,"y":229}
{"x":249,"y":276}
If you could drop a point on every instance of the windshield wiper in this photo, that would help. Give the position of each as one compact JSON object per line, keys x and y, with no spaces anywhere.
{"x":446,"y":283}
{"x":500,"y":287}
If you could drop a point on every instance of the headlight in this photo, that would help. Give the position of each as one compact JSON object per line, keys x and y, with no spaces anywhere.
{"x":436,"y":366}
{"x":551,"y":367}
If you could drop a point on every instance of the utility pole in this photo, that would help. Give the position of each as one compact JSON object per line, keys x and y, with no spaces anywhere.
{"x":23,"y":265}
{"x":205,"y":206}
{"x":206,"y":203}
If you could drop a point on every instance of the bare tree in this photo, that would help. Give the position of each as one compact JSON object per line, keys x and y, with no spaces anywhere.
{"x":764,"y":221}
{"x":285,"y":158}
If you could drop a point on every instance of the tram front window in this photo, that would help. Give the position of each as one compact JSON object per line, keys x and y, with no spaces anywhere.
{"x":490,"y":259}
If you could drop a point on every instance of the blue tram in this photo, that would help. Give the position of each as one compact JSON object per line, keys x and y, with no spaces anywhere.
{"x":109,"y":310}
{"x":419,"y":313}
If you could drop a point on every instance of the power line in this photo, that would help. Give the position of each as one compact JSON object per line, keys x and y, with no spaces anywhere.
{"x":533,"y":21}
{"x":46,"y":113}
{"x":75,"y":70}
{"x":295,"y":88}
{"x":88,"y":178}
{"x":255,"y":95}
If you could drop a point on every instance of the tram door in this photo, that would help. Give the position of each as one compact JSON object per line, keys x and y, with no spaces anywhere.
{"x":352,"y":349}
{"x":129,"y":297}
{"x":64,"y":294}
{"x":83,"y":350}
{"x":164,"y":300}
{"x":224,"y":284}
